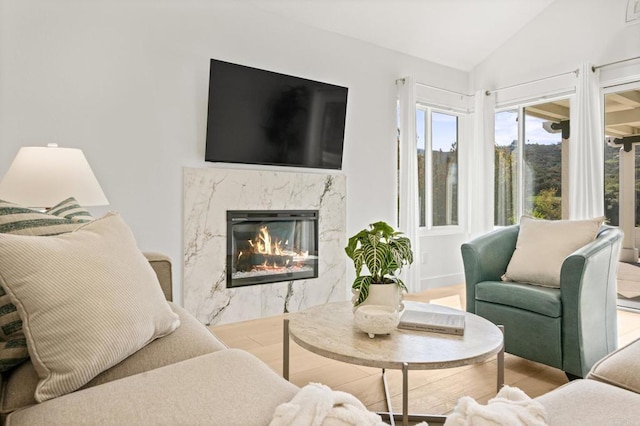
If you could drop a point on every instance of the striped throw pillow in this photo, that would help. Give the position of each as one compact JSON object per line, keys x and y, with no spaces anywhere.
{"x":67,"y":216}
{"x":13,"y":345}
{"x":70,"y":209}
{"x":19,"y":220}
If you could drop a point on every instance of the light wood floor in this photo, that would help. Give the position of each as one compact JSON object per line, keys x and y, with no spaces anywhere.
{"x":434,"y":392}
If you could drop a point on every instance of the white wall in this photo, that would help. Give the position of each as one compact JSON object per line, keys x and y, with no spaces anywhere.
{"x":127,"y":82}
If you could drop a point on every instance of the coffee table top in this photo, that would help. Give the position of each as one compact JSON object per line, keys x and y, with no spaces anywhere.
{"x":329,"y":330}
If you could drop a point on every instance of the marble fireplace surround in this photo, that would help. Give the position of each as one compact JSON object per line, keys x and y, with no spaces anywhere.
{"x":208,"y":194}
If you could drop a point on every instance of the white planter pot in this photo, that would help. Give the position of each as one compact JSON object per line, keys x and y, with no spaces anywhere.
{"x":376,"y":319}
{"x":385,"y":295}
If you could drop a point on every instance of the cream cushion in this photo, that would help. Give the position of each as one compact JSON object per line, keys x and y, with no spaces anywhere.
{"x":88,"y":299}
{"x":620,"y":368}
{"x":543,"y":245}
{"x":588,"y":402}
{"x":189,"y":340}
{"x":228,"y":387}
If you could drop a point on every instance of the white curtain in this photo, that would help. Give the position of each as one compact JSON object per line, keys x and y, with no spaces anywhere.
{"x":586,"y":157}
{"x":408,"y":179}
{"x":481,"y":165}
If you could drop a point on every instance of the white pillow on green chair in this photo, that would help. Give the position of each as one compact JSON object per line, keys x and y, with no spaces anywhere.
{"x":543,"y":245}
{"x":88,"y":299}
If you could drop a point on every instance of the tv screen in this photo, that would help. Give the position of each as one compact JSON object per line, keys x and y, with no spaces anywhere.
{"x":262,"y":117}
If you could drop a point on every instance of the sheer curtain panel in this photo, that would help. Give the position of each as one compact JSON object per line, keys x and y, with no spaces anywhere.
{"x":482,"y":164}
{"x":408,"y":176}
{"x":586,"y":157}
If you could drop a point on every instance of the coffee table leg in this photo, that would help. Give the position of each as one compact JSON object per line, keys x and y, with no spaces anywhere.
{"x":285,"y":350}
{"x":405,"y":394}
{"x":501,"y":361}
{"x":387,"y":397}
{"x":405,"y":416}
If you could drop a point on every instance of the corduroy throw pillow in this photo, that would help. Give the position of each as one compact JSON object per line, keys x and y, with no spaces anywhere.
{"x":88,"y":299}
{"x":66,"y":216}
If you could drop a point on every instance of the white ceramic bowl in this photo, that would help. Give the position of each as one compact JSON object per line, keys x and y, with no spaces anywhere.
{"x":376,"y":319}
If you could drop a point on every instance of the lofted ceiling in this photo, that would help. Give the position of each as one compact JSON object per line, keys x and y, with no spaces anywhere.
{"x":456,"y":33}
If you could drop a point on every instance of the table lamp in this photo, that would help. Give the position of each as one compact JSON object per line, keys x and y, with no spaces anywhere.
{"x":41,"y":177}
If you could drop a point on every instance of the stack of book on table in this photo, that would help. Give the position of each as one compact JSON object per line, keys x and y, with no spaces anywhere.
{"x":436,"y":322}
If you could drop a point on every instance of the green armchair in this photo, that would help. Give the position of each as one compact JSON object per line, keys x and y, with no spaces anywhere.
{"x":569,"y":328}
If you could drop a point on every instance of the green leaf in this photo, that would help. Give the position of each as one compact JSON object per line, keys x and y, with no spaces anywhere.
{"x":382,"y":228}
{"x":358,"y":260}
{"x":361,"y":284}
{"x":375,"y":260}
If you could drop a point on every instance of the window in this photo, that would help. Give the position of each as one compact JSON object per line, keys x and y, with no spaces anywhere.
{"x":621,"y":124}
{"x":437,"y":135}
{"x":543,"y":146}
{"x":506,"y":168}
{"x":530,"y":165}
{"x":611,"y":181}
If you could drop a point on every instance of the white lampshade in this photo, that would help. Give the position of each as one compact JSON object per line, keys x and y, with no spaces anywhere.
{"x":41,"y":177}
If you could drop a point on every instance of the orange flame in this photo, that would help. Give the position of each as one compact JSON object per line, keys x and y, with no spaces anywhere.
{"x":269,"y":245}
{"x":265,"y":244}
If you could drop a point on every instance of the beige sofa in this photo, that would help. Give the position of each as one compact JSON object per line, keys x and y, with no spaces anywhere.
{"x":610,"y":395}
{"x":186,"y":378}
{"x":191,"y":378}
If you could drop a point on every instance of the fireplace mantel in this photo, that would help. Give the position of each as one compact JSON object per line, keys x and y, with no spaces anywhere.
{"x":210,"y":192}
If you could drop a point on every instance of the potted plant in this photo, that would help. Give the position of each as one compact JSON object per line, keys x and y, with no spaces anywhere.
{"x":384,"y":251}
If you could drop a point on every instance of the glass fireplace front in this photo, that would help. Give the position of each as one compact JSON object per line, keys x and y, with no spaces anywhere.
{"x":271,"y":246}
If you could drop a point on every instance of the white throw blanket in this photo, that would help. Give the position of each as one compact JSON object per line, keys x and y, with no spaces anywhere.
{"x":510,"y":407}
{"x":316,"y":404}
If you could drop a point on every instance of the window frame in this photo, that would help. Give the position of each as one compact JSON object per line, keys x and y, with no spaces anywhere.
{"x":463,"y":120}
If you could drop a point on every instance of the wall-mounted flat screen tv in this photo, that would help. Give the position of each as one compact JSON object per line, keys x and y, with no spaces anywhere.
{"x":263,"y":117}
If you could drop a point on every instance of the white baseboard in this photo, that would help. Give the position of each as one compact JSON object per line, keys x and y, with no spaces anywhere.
{"x":441,"y":281}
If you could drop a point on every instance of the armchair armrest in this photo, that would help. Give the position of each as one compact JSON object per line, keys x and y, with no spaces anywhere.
{"x":587,"y":278}
{"x":161,"y":265}
{"x":486,"y":258}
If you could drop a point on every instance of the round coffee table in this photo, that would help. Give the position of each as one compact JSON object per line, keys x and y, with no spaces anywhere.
{"x":329,"y":330}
